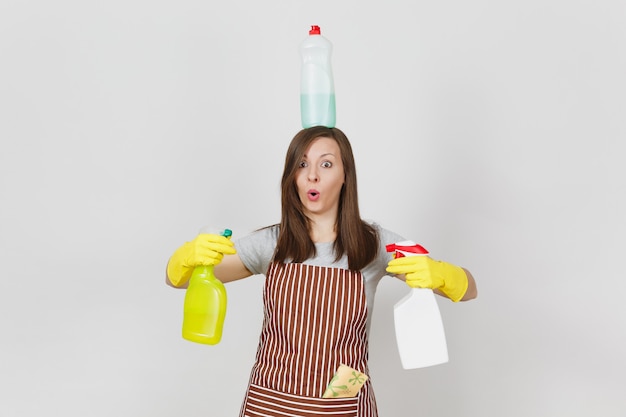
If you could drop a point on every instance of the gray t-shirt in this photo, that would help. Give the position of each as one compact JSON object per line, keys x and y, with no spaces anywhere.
{"x":257,"y":249}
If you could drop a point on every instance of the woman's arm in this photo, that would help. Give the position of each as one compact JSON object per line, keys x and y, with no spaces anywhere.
{"x":231,"y":269}
{"x":470,"y":293}
{"x":445,"y":279}
{"x":472,"y":290}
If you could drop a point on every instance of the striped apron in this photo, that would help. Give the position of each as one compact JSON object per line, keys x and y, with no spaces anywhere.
{"x":315,"y":319}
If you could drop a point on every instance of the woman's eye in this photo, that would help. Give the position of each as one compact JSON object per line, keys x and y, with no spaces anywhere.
{"x":327,"y":164}
{"x":303,"y":164}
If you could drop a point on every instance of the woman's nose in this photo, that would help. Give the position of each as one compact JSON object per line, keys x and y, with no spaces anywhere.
{"x":312,"y":175}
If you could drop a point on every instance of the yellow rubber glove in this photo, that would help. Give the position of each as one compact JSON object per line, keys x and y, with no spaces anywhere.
{"x":424,"y":272}
{"x":205,"y":249}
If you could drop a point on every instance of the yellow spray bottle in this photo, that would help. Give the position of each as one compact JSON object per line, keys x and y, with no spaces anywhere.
{"x":205,"y":305}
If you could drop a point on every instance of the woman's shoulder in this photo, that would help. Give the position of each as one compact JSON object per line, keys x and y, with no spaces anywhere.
{"x":265,"y":234}
{"x":385,"y":236}
{"x":257,"y":248}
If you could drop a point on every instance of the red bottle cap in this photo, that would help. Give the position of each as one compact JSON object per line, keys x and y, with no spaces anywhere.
{"x":315,"y":30}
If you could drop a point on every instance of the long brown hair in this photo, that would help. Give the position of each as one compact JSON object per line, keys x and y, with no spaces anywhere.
{"x":355,"y":238}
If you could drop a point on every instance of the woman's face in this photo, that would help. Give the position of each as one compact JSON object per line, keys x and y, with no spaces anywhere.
{"x":320,"y":177}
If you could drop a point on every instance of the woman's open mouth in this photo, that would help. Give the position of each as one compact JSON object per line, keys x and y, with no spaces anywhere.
{"x":313,"y":195}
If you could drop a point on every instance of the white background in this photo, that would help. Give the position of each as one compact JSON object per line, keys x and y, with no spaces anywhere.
{"x":488,"y":131}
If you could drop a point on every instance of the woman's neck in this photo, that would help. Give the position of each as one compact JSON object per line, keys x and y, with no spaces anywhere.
{"x":322,"y":230}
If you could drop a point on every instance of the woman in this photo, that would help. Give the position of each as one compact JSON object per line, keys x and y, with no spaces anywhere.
{"x":322,"y":264}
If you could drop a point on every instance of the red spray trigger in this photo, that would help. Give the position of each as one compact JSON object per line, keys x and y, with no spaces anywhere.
{"x":410,"y":247}
{"x":315,"y":30}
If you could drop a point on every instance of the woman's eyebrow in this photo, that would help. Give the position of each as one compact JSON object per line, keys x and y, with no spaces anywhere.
{"x":322,"y":155}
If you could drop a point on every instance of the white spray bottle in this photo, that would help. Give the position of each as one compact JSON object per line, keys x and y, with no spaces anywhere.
{"x":419,"y":328}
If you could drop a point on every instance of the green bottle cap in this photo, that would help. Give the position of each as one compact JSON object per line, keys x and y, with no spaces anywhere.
{"x":227,"y":233}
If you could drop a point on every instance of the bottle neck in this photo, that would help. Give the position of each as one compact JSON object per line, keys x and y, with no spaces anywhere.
{"x":205,"y":267}
{"x":202,"y":272}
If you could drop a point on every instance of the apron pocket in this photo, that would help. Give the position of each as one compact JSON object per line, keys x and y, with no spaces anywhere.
{"x":267,"y":402}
